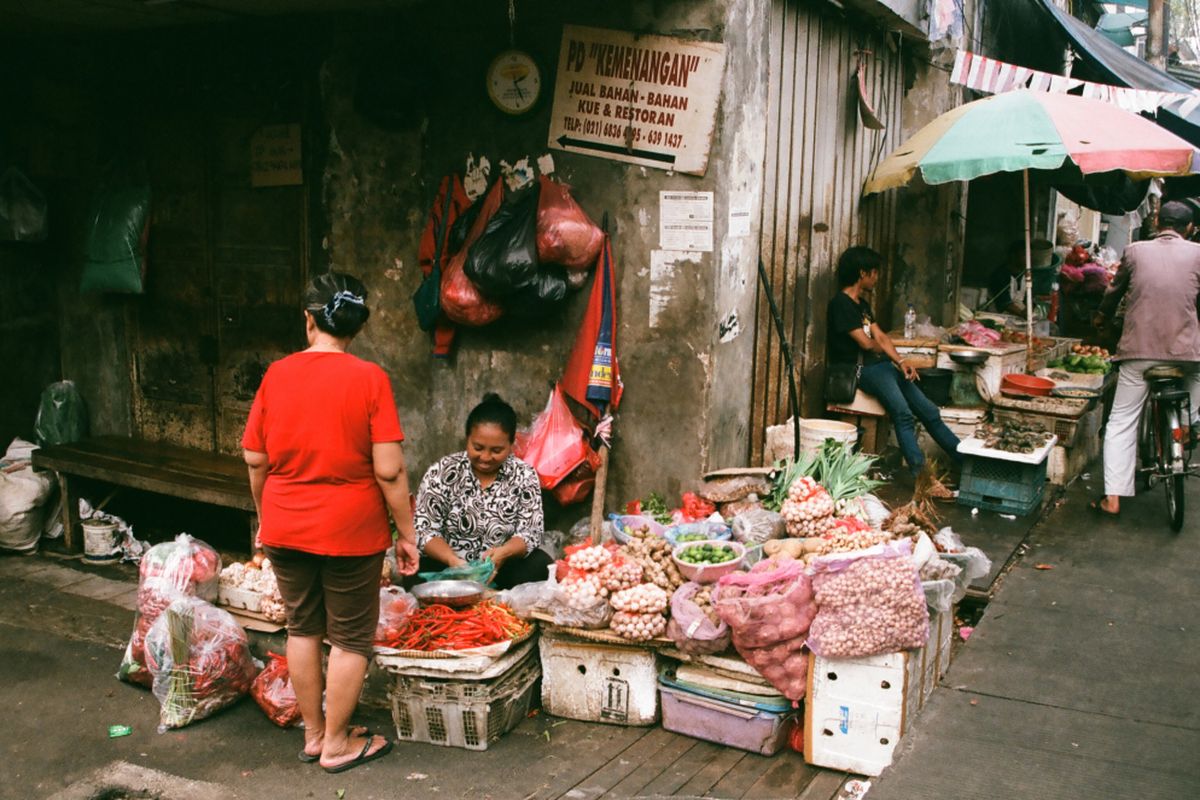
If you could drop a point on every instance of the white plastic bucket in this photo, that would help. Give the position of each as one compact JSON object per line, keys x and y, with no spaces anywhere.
{"x":814,"y":432}
{"x":100,"y":542}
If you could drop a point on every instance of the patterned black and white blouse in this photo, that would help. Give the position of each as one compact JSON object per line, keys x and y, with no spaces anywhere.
{"x":451,"y":504}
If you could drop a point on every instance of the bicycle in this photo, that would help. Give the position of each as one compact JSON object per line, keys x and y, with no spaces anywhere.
{"x":1165,"y":439}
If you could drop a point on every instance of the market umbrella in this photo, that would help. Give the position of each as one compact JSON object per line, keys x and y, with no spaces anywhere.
{"x":592,"y":377}
{"x":1024,"y":130}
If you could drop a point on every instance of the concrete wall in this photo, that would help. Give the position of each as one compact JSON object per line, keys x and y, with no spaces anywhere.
{"x":687,"y":389}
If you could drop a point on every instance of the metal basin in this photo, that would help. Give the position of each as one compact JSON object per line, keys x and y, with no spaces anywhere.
{"x":969,"y":357}
{"x":456,"y":594}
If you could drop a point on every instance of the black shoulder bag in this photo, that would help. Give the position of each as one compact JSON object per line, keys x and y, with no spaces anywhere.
{"x":841,"y":382}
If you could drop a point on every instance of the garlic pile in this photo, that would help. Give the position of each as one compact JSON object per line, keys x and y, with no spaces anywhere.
{"x":874,"y":605}
{"x":808,"y":509}
{"x":589,"y":558}
{"x":258,"y":577}
{"x":583,"y":591}
{"x":644,"y":599}
{"x":638,"y":627}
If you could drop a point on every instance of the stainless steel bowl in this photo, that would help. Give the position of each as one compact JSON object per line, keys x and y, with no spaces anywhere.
{"x":969,"y":357}
{"x":456,"y":594}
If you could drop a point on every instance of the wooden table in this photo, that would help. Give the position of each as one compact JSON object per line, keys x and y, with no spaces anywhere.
{"x":157,"y":467}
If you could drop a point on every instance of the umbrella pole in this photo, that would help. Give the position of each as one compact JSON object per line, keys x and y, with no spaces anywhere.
{"x":1028,"y":282}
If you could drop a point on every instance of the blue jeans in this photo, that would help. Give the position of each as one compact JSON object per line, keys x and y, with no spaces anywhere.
{"x":906,"y":404}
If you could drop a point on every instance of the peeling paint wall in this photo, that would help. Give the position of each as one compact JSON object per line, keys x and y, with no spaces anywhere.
{"x":684,"y":357}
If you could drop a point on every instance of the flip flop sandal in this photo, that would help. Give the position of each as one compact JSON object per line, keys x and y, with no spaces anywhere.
{"x":362,"y":758}
{"x":1101,"y":510}
{"x":356,"y":730}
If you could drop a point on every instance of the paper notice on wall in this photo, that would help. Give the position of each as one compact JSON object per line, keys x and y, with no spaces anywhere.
{"x":664,"y":273}
{"x":739,"y":220}
{"x":685,"y":221}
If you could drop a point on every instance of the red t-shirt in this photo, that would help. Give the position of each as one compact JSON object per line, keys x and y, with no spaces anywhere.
{"x":316,"y":416}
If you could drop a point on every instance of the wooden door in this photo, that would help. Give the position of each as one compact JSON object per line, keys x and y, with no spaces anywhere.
{"x":227,"y":267}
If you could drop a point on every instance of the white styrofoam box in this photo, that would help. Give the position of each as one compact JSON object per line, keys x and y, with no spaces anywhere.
{"x":856,"y":709}
{"x":1066,"y":463}
{"x":597,"y":682}
{"x":945,"y":644}
{"x":935,"y":657}
{"x":239,"y":598}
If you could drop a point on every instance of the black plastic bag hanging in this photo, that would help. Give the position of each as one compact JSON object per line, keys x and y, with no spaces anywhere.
{"x":504,"y":262}
{"x":547,"y":290}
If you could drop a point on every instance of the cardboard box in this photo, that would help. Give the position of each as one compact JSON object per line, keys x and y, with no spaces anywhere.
{"x":856,"y":709}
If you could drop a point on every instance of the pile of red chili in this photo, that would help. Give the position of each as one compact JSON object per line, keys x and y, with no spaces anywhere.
{"x":439,"y":627}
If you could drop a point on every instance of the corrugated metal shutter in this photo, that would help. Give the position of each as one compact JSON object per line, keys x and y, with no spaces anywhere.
{"x":818,"y":156}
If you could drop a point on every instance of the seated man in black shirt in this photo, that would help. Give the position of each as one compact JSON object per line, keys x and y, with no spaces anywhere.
{"x":854,"y":335}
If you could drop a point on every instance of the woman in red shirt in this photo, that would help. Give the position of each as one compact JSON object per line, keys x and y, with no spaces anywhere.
{"x":323,"y":447}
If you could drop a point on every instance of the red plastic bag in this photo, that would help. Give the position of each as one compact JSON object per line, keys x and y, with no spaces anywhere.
{"x":579,"y":484}
{"x":461,"y":300}
{"x":273,"y":692}
{"x":565,"y":234}
{"x":695,"y":508}
{"x":555,"y":445}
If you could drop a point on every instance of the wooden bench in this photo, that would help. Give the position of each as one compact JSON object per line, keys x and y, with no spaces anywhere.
{"x":166,"y":469}
{"x":869,"y":415}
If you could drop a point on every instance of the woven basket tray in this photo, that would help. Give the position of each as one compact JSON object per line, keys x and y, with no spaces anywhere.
{"x":446,"y":654}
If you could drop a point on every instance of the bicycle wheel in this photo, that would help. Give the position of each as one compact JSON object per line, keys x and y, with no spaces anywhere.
{"x":1174,"y":485}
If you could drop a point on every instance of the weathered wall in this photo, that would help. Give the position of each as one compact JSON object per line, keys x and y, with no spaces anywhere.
{"x":930,"y":220}
{"x":686,"y":391}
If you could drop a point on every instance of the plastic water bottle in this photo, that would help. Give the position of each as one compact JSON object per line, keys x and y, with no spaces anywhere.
{"x":910,"y":322}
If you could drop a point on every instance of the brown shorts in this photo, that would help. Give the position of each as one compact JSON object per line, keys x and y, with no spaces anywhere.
{"x":332,"y":596}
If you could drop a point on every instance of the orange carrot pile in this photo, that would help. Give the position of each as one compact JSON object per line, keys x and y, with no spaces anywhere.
{"x":439,"y":627}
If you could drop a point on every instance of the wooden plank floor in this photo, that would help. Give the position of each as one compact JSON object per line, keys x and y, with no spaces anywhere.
{"x":655,"y":763}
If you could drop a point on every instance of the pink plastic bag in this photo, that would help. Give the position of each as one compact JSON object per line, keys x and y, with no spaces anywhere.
{"x":691,"y":628}
{"x":870,"y":602}
{"x":565,"y":234}
{"x":555,"y":445}
{"x":769,"y":610}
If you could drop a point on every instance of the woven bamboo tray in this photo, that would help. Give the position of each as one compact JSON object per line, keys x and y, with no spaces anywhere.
{"x":602,"y":636}
{"x":452,"y":654}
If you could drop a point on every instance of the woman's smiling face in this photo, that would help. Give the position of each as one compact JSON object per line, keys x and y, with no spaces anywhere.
{"x":487,"y":448}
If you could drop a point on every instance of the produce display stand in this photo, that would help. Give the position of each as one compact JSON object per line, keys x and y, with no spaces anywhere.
{"x":596,"y":681}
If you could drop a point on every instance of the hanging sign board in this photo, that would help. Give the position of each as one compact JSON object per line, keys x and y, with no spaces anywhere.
{"x":275,"y":156}
{"x":647,"y":100}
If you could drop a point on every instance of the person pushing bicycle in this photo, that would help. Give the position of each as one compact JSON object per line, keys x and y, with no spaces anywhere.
{"x":1161,"y":279}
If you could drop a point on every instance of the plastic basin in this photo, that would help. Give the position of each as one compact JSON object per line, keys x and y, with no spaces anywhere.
{"x":1026,"y":385}
{"x":709,"y":573}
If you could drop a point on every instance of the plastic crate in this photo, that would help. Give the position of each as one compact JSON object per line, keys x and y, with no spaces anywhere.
{"x":463,"y":713}
{"x":726,"y":723}
{"x":1001,"y":505}
{"x":1008,"y":487}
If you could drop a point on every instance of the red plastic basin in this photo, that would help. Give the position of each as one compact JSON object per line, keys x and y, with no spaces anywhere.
{"x":1026,"y":385}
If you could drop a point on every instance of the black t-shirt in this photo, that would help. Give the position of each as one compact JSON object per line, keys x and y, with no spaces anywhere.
{"x":844,"y":316}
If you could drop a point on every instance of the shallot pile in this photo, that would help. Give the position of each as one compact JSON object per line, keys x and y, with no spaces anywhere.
{"x":638,"y":627}
{"x":869,"y":604}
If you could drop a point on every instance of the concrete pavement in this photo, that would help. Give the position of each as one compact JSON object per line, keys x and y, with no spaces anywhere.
{"x":1082,"y":680}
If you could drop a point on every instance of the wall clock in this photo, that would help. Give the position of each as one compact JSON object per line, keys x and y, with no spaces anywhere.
{"x":514,"y":82}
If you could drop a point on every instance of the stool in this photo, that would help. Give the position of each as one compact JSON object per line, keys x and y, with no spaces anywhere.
{"x":868,"y":415}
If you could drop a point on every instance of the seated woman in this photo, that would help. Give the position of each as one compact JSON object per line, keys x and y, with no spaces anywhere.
{"x":854,"y":335}
{"x":484,"y":502}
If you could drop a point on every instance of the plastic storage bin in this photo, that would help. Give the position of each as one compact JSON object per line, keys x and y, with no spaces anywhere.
{"x":1009,"y":487}
{"x":463,"y":713}
{"x":597,"y":682}
{"x":725,"y":723}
